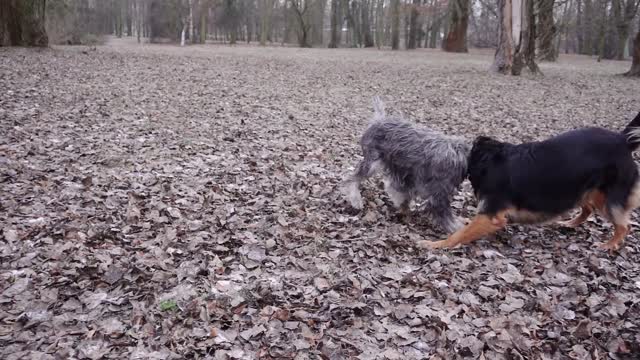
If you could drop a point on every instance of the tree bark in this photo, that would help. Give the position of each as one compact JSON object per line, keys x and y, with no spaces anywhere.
{"x":300,"y":8}
{"x":456,"y":39}
{"x":365,"y":24}
{"x":395,"y":24}
{"x":414,"y":25}
{"x":22,"y":23}
{"x":204,"y":14}
{"x":516,"y":34}
{"x":379,"y":23}
{"x":624,"y":13}
{"x":336,"y":24}
{"x":635,"y":64}
{"x":547,"y":31}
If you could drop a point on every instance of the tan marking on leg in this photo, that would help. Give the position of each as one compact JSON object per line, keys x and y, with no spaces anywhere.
{"x":584,"y":214}
{"x":620,"y":218}
{"x":634,"y":198}
{"x":481,"y":225}
{"x":593,"y":201}
{"x":617,"y":240}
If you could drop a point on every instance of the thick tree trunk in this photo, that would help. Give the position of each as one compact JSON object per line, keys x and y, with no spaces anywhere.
{"x":635,"y":64}
{"x":525,"y":50}
{"x":503,"y":59}
{"x":516,"y":34}
{"x":395,"y":24}
{"x":414,"y":25}
{"x":456,"y":38}
{"x":22,"y":23}
{"x":623,"y":36}
{"x":546,"y":31}
{"x":365,"y":25}
{"x":336,"y":24}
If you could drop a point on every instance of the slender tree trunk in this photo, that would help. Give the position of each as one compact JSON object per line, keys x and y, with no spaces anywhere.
{"x":588,"y":26}
{"x":456,"y":38}
{"x":579,"y":28}
{"x":435,"y":33}
{"x":395,"y":24}
{"x":602,"y":31}
{"x":336,"y":24}
{"x":365,"y":24}
{"x":414,"y":25}
{"x":204,"y":14}
{"x":380,"y":24}
{"x":635,"y":64}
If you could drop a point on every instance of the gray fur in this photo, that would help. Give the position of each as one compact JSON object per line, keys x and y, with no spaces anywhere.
{"x":417,"y":163}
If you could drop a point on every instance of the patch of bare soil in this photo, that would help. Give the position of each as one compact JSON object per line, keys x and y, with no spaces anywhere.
{"x":158,"y":202}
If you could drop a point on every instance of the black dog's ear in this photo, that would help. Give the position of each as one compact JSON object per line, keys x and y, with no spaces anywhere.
{"x":485,"y":149}
{"x":484,"y":141}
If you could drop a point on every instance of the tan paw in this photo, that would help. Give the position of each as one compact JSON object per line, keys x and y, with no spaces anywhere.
{"x":567,"y":224}
{"x":610,"y":246}
{"x":425,"y":244}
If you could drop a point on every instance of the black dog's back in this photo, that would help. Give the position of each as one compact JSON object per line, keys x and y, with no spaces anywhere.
{"x":550,"y":177}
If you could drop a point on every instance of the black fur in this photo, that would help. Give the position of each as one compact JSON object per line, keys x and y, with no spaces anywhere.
{"x":550,"y":177}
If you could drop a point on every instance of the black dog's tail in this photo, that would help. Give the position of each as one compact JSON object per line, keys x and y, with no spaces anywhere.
{"x":632,"y":132}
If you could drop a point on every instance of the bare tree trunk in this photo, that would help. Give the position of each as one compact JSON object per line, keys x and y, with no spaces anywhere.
{"x":395,"y":24}
{"x":379,"y":24}
{"x":336,"y":23}
{"x":602,"y":29}
{"x":204,"y":14}
{"x":414,"y":25}
{"x":516,"y":34}
{"x":365,"y":24}
{"x":191,"y":33}
{"x":456,"y":38}
{"x":138,"y":4}
{"x":525,"y":50}
{"x":635,"y":64}
{"x":22,"y":23}
{"x":579,"y":26}
{"x":588,"y":20}
{"x":624,"y":12}
{"x":300,"y":8}
{"x":547,"y":31}
{"x":435,"y":33}
{"x":503,"y":59}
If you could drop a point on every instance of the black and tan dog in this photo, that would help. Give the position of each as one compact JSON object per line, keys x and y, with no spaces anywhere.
{"x":537,"y":182}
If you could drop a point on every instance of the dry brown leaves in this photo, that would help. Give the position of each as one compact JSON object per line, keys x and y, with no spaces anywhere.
{"x":163,"y":203}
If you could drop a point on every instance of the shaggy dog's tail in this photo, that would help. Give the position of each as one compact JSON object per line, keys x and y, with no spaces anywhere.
{"x":379,"y":112}
{"x":632,"y":132}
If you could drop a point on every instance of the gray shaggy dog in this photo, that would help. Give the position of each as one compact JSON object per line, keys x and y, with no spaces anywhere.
{"x":416,"y":163}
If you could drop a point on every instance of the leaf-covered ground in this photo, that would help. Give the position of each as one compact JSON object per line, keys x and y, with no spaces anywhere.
{"x":159,"y":202}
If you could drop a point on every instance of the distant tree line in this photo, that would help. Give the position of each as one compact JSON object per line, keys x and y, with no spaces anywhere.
{"x":523,"y":31}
